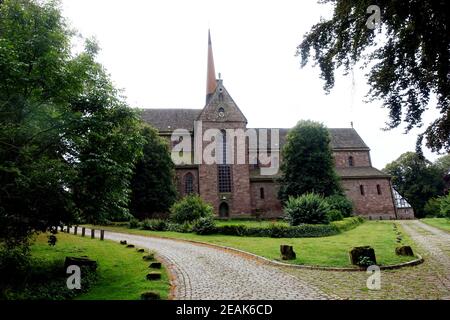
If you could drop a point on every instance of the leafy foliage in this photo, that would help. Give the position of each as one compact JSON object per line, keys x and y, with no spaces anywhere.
{"x":433,"y":207}
{"x":153,"y":189}
{"x":410,"y":58}
{"x":342,"y":204}
{"x":416,"y":179}
{"x":309,"y":208}
{"x":68,"y":142}
{"x":204,"y":226}
{"x":445,"y":206}
{"x":190,"y":208}
{"x":308,"y":164}
{"x":335,"y":215}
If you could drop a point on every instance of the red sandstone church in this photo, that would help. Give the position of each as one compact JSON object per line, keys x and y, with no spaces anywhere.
{"x":240,"y":189}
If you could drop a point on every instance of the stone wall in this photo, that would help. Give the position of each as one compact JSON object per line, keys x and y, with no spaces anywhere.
{"x":268,"y":207}
{"x":371,"y":205}
{"x":360,"y":158}
{"x":180,"y":180}
{"x":405,"y":213}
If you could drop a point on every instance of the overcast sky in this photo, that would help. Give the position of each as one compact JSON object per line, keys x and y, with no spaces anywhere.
{"x":156,"y":51}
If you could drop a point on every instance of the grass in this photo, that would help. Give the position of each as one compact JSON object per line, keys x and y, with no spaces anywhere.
{"x":441,"y":223}
{"x":329,"y":251}
{"x":121,"y":271}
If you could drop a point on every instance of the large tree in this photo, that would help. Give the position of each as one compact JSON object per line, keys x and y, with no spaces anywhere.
{"x":416,"y":179}
{"x":152,"y":187}
{"x":67,"y":140}
{"x":308,"y":164}
{"x":410,"y":58}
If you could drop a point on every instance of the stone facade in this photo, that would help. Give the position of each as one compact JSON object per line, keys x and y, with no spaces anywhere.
{"x":240,"y":188}
{"x":252,"y":194}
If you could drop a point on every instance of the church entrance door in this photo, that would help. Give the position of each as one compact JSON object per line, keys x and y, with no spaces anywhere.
{"x":224,"y":210}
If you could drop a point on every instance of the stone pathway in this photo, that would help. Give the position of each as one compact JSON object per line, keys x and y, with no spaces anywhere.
{"x":206,"y":273}
{"x":435,"y":244}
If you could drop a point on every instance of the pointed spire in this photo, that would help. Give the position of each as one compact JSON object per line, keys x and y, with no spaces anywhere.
{"x":211,"y":82}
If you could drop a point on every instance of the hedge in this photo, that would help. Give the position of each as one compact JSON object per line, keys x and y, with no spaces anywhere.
{"x":273,"y":231}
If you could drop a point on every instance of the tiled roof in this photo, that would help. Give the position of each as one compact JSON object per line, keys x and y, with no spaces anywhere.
{"x":169,"y":119}
{"x":360,"y":172}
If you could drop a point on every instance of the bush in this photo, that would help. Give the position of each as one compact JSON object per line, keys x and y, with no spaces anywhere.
{"x":445,"y":206}
{"x":15,"y":263}
{"x":348,"y":223}
{"x":155,"y":224}
{"x":433,"y":208}
{"x":134,"y":223}
{"x":335,"y":215}
{"x":204,"y":226}
{"x":190,"y":209}
{"x":341,"y":204}
{"x":185,"y":227}
{"x":309,"y":208}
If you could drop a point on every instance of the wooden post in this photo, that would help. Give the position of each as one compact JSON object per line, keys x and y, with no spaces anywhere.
{"x":102,"y":234}
{"x":83,"y":231}
{"x":92,"y":233}
{"x":75,"y":231}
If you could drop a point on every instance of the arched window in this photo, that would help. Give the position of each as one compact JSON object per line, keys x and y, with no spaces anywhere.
{"x":361,"y":189}
{"x":379,"y":189}
{"x":350,"y":161}
{"x":189,"y":183}
{"x":261,"y":193}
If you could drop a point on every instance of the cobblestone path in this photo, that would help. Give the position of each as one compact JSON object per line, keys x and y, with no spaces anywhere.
{"x":434,"y":244}
{"x":429,"y":280}
{"x":207,"y":273}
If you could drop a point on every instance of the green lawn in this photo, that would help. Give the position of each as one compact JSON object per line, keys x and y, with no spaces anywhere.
{"x":441,"y":223}
{"x":326,"y":251}
{"x":121,"y":271}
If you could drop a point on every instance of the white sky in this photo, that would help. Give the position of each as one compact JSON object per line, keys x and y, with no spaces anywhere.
{"x":157,"y":50}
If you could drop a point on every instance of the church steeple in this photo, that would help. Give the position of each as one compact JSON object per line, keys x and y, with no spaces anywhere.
{"x":211,"y":82}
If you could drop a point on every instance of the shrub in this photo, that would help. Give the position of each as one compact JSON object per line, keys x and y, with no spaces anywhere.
{"x":134,"y":223}
{"x":335,"y":215}
{"x":185,"y":227}
{"x":433,"y":208}
{"x":308,"y":208}
{"x":445,"y":206}
{"x":348,"y":223}
{"x":233,"y":230}
{"x":190,"y":209}
{"x":341,"y":204}
{"x":204,"y":226}
{"x":154,"y":224}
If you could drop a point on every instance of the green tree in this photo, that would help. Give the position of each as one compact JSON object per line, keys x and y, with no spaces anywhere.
{"x":416,"y":179}
{"x":60,"y":117}
{"x":410,"y":58}
{"x":443,"y":165}
{"x":308,"y":164}
{"x":153,"y":188}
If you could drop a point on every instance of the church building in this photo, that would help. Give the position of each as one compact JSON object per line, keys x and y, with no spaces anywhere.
{"x":240,"y":189}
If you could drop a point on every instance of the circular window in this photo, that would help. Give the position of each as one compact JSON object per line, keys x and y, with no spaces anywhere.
{"x":221,"y":112}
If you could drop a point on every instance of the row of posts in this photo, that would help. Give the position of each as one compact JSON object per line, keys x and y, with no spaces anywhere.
{"x":83,"y":232}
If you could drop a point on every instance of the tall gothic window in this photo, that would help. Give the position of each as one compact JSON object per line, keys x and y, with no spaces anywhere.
{"x":361,"y":190}
{"x":224,"y":170}
{"x":188,"y":183}
{"x":224,"y":178}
